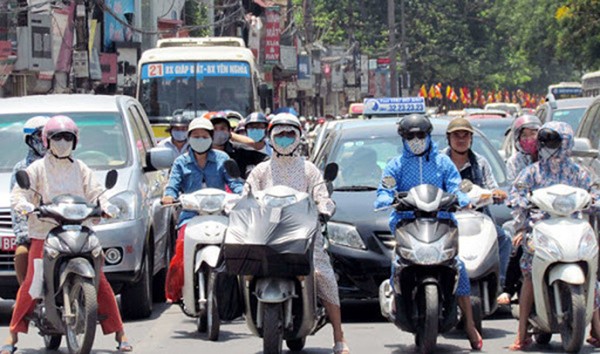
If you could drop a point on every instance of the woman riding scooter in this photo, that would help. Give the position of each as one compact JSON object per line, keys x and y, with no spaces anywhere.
{"x":286,"y":169}
{"x":55,"y":174}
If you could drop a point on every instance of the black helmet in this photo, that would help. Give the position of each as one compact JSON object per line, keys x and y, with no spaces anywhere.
{"x":179,"y":120}
{"x":220,"y":117}
{"x":414,"y":124}
{"x":256,"y":117}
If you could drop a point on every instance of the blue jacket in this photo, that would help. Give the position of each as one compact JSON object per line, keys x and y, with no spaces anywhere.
{"x":410,"y":170}
{"x":187,"y":177}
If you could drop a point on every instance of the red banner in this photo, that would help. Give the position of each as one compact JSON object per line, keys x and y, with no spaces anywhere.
{"x":272,"y":35}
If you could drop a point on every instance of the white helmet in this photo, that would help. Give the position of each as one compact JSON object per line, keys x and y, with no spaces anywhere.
{"x":201,"y":123}
{"x":34,"y":125}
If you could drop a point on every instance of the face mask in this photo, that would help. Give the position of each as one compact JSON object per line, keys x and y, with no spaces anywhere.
{"x":529,"y":146}
{"x":417,"y":146}
{"x":256,"y":134}
{"x":37,"y":146}
{"x":284,"y":145}
{"x":546,"y":153}
{"x":221,"y":137}
{"x":200,"y":145}
{"x":61,"y":148}
{"x":179,"y":135}
{"x":284,"y":141}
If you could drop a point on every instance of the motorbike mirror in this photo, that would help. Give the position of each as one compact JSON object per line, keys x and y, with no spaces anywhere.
{"x":388,"y":182}
{"x":466,"y":185}
{"x":232,"y":168}
{"x":111,"y":179}
{"x":331,"y":171}
{"x":23,"y":179}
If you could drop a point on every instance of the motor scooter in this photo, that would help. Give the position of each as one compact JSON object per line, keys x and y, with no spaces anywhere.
{"x":65,"y":278}
{"x":564,"y":265}
{"x":425,"y":271}
{"x":270,"y":243}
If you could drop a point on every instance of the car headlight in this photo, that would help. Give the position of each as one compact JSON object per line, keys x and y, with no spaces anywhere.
{"x":75,"y":212}
{"x":344,"y":235}
{"x":588,"y":246}
{"x":278,"y":202}
{"x":126,"y":202}
{"x":564,"y":204}
{"x":545,"y":247}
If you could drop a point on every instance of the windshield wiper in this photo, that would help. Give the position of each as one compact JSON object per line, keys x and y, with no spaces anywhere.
{"x":355,"y":188}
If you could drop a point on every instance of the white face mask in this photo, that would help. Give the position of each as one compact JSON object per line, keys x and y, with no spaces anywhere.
{"x":417,"y":146}
{"x":546,"y":153}
{"x":200,"y":145}
{"x":61,"y":148}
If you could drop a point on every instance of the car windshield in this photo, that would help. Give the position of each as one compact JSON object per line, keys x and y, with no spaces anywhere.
{"x":361,"y":161}
{"x":494,"y":132}
{"x":102,"y":143}
{"x":570,"y":115}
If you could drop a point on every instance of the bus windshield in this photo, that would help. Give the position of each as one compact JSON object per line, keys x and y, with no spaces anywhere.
{"x":195,"y":86}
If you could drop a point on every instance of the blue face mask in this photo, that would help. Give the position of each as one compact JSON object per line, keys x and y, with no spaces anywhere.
{"x":179,"y":135}
{"x":284,"y":141}
{"x":256,"y":134}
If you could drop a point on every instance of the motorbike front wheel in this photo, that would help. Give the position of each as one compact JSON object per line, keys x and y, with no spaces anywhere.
{"x":52,"y":342}
{"x":272,"y":328}
{"x":427,"y":331}
{"x":296,"y":345}
{"x":213,"y":322}
{"x":81,"y":329}
{"x":572,"y":327}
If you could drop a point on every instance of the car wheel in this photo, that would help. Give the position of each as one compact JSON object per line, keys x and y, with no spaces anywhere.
{"x":136,"y":299}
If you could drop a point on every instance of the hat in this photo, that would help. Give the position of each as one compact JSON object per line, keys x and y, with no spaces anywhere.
{"x":458,"y":124}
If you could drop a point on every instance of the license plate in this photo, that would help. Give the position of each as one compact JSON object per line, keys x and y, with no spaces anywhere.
{"x":8,"y":243}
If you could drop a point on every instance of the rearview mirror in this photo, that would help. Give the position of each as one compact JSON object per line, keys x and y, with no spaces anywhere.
{"x":331,"y":172}
{"x":232,"y":169}
{"x":466,"y":186}
{"x":159,"y":158}
{"x":583,"y":148}
{"x":23,"y":179}
{"x":111,"y":179}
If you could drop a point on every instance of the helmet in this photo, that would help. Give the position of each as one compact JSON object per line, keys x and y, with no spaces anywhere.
{"x":220,"y":117}
{"x":201,"y":123}
{"x":208,"y":115}
{"x":284,"y":119}
{"x":256,"y":117}
{"x":59,"y":124}
{"x":34,"y":125}
{"x":459,"y":124}
{"x":414,"y":123}
{"x":234,"y":118}
{"x":179,"y":120}
{"x":522,"y":122}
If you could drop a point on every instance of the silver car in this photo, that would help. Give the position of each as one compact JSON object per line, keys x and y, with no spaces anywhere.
{"x":114,"y":134}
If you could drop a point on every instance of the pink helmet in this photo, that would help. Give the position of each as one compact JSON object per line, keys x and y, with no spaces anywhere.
{"x":522,"y":122}
{"x":59,"y":124}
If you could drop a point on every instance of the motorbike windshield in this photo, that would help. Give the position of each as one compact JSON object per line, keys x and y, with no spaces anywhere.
{"x":428,"y":230}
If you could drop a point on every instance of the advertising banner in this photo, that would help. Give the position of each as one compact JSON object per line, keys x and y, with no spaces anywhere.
{"x":272,"y":35}
{"x":198,"y":69}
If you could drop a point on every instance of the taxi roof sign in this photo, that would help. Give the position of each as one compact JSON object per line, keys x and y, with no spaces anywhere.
{"x":393,"y":105}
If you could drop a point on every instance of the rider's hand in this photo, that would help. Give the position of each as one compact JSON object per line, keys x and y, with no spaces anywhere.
{"x":516,"y":241}
{"x":499,"y":195}
{"x":167,"y":200}
{"x":24,"y":208}
{"x":111,"y":210}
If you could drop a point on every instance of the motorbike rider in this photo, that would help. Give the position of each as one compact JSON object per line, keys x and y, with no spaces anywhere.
{"x":286,"y":169}
{"x":555,"y":143}
{"x":421,"y":163}
{"x":245,"y":157}
{"x":177,"y":142}
{"x":32,"y":131}
{"x":477,"y":169}
{"x":256,"y":129}
{"x":55,"y":174}
{"x":200,"y":167}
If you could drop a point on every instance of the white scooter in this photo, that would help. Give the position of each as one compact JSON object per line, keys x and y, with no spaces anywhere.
{"x":478,"y":248}
{"x":565,"y":264}
{"x":202,"y":247}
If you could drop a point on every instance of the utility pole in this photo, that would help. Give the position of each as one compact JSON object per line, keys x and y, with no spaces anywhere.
{"x":82,"y":75}
{"x":404,"y":52}
{"x":392,"y":45}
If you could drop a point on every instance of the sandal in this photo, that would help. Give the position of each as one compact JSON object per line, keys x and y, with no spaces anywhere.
{"x":593,"y":342}
{"x":520,"y":345}
{"x":8,"y":349}
{"x":341,"y":348}
{"x":503,"y":299}
{"x":476,"y":346}
{"x":124,"y":347}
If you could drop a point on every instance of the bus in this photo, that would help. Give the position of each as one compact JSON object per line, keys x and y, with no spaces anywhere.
{"x":590,"y":84}
{"x":192,"y":76}
{"x":564,"y":90}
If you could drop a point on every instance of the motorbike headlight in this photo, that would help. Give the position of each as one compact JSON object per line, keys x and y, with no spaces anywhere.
{"x":344,"y":235}
{"x":545,"y":247}
{"x":211,"y":204}
{"x":588,"y":247}
{"x":432,"y":253}
{"x":564,"y":204}
{"x":93,"y":245}
{"x":278,"y":202}
{"x":75,"y":212}
{"x":126,"y":202}
{"x":53,"y":247}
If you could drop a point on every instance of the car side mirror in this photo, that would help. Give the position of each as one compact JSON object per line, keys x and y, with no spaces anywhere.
{"x":331,"y":172}
{"x":583,"y":148}
{"x":159,"y":158}
{"x":111,"y":179}
{"x":232,"y":169}
{"x":23,"y":179}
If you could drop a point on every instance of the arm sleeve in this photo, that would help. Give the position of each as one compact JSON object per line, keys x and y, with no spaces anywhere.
{"x":91,"y":187}
{"x":235,"y":184}
{"x":518,"y":198}
{"x":174,"y":186}
{"x":511,"y":168}
{"x":452,"y":182}
{"x":19,"y":195}
{"x":320,"y":193}
{"x":489,"y":180}
{"x":385,"y":197}
{"x":254,"y":178}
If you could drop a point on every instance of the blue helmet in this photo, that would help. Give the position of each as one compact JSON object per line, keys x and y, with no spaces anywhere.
{"x":256,"y":117}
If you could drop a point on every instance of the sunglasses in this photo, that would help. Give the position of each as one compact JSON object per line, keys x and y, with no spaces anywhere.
{"x":412,"y":135}
{"x":549,"y":138}
{"x":63,"y":136}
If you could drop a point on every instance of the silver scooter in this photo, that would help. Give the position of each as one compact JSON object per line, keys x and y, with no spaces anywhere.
{"x":269,"y":243}
{"x":72,"y":257}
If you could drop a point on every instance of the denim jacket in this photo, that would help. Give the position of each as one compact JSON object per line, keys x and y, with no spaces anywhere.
{"x":187,"y":177}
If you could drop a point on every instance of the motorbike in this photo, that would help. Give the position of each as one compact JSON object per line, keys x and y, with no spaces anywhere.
{"x":203,"y":236}
{"x":478,"y":249}
{"x":425,"y":272}
{"x":270,"y":244}
{"x":65,"y":278}
{"x":564,"y":266}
